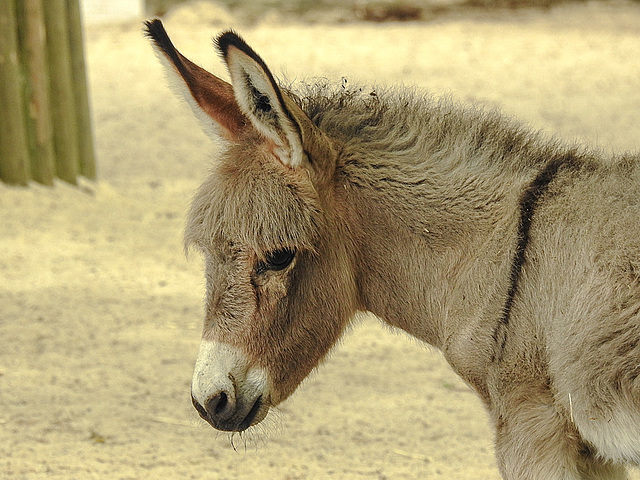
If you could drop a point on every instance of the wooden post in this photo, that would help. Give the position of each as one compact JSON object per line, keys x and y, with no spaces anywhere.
{"x":14,"y":150}
{"x":45,"y":123}
{"x":63,"y":110}
{"x":80,"y":87}
{"x":38,"y":116}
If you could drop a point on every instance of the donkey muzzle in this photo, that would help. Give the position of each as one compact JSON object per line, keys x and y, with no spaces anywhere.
{"x":223,"y":415}
{"x":226,"y":391}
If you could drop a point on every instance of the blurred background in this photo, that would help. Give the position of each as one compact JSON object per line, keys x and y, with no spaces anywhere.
{"x":100,"y":311}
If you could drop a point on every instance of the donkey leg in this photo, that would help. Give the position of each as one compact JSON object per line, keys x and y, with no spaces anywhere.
{"x":595,"y":469}
{"x":534,"y":442}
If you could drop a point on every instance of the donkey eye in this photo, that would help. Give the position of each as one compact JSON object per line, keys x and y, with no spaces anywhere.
{"x":277,"y":260}
{"x":280,"y":259}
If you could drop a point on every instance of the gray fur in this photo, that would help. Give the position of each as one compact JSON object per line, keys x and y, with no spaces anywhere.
{"x":412,"y":208}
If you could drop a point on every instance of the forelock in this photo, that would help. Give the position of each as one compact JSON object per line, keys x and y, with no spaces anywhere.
{"x":253,"y":200}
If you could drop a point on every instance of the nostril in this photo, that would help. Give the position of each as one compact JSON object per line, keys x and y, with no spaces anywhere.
{"x":217,"y":404}
{"x":221,"y":404}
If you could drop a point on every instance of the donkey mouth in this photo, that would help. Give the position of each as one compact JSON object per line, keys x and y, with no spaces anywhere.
{"x":236,"y":423}
{"x":250,"y":419}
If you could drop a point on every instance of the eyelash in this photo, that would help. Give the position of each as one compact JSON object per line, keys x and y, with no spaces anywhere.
{"x":276,"y":261}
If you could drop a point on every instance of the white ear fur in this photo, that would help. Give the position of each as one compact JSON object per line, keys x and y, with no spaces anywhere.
{"x":260,"y":99}
{"x":178,"y":86}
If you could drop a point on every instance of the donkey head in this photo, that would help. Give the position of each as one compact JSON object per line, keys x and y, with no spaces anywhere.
{"x":269,"y":221}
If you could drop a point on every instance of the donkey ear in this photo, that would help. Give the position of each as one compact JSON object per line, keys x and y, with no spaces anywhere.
{"x":210,"y":98}
{"x":261,"y":100}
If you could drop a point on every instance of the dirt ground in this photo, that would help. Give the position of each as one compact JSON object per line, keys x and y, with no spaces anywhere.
{"x":100,"y":311}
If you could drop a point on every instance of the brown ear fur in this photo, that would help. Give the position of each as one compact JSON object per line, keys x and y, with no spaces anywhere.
{"x":214,"y":96}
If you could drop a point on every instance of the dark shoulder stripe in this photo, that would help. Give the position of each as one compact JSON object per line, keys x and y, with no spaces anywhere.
{"x":528,"y":203}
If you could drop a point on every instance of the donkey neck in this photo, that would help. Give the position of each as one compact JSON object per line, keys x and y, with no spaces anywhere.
{"x":434,"y":252}
{"x":435,"y":193}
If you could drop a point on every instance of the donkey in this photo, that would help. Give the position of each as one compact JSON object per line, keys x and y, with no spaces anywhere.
{"x":515,"y":255}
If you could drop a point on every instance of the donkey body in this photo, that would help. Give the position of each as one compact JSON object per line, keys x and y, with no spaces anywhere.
{"x":516,"y":256}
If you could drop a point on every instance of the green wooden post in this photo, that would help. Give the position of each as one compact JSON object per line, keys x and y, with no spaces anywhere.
{"x":14,"y":150}
{"x":83,"y":113}
{"x":38,"y":115}
{"x":63,"y":111}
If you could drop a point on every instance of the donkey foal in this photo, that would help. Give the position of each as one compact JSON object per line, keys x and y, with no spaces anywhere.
{"x":518,"y":257}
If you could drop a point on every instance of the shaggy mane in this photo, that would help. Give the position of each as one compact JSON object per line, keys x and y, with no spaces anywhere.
{"x":387,"y":121}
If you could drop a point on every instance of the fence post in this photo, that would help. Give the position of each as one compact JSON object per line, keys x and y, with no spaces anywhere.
{"x":80,"y":90}
{"x":14,"y":150}
{"x":32,"y":38}
{"x":45,"y":121}
{"x":65,"y":133}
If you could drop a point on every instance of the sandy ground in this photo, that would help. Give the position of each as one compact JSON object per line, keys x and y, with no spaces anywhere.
{"x":100,"y":311}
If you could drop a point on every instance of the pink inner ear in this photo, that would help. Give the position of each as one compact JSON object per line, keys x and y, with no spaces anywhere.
{"x":215,"y":97}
